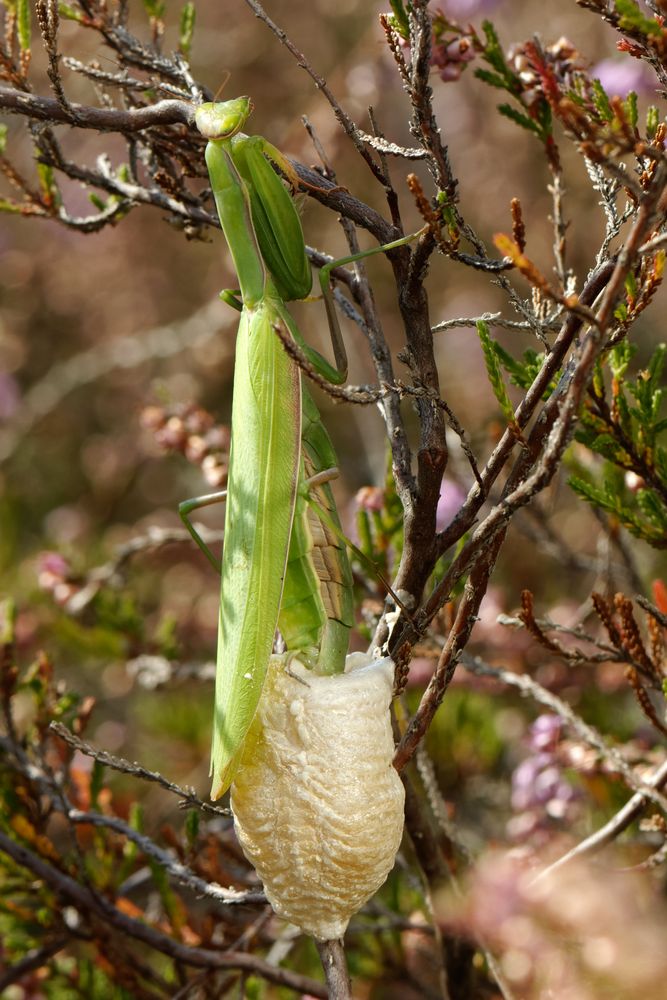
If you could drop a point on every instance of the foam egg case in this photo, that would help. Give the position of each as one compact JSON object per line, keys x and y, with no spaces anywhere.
{"x":318,"y":807}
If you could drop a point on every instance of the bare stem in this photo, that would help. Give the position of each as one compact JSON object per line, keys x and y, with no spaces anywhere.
{"x":50,"y":109}
{"x":332,"y":956}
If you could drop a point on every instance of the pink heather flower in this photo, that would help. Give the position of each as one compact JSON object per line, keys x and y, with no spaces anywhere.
{"x":545,"y":732}
{"x":525,"y":795}
{"x":52,"y":568}
{"x":463,"y":10}
{"x":460,"y":50}
{"x":619,"y":76}
{"x":52,"y":576}
{"x":370,"y":499}
{"x":574,"y":933}
{"x":537,"y":784}
{"x":451,"y":57}
{"x":540,"y":790}
{"x":451,"y":498}
{"x":451,"y":72}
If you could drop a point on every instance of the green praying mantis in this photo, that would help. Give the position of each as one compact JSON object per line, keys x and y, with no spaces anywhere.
{"x":284,"y":565}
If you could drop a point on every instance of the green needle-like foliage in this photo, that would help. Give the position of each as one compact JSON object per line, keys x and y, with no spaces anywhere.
{"x":494,"y":372}
{"x":627,"y":431}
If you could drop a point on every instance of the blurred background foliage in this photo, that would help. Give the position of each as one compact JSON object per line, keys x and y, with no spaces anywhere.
{"x":81,"y":473}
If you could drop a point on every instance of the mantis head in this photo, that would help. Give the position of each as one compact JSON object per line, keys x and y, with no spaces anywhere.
{"x":223,"y":119}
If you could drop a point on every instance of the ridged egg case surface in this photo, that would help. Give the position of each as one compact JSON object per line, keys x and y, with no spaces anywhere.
{"x":318,"y":807}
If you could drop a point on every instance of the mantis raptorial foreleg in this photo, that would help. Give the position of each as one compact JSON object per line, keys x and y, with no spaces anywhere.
{"x":280,"y":238}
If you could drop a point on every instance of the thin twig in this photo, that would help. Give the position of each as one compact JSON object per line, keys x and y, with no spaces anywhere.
{"x":187,"y":795}
{"x":154,"y":539}
{"x":659,"y":615}
{"x":439,"y":809}
{"x":494,"y":319}
{"x":179,"y":872}
{"x":50,"y":109}
{"x":332,"y":957}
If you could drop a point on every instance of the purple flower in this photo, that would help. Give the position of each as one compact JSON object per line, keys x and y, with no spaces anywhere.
{"x":558,"y":806}
{"x":370,"y":499}
{"x":451,"y":498}
{"x":547,"y":785}
{"x":525,"y":780}
{"x":52,"y":576}
{"x":545,"y":732}
{"x":53,"y":564}
{"x":540,"y":790}
{"x":538,"y":784}
{"x":464,"y":9}
{"x":619,"y":76}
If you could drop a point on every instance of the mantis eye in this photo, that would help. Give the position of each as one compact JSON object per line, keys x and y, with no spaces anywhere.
{"x":318,"y":807}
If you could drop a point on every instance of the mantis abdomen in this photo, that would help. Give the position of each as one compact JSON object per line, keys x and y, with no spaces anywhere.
{"x":263,"y":476}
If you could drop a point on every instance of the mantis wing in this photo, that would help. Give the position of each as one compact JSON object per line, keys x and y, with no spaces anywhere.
{"x":263,"y":474}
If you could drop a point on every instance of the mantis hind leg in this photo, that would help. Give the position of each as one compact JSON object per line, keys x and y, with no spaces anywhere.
{"x":319,"y":479}
{"x":186,"y":507}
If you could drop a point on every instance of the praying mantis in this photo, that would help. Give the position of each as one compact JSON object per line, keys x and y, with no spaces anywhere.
{"x":283,"y":563}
